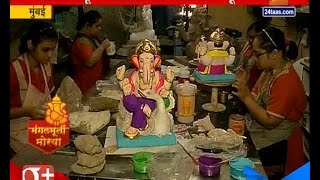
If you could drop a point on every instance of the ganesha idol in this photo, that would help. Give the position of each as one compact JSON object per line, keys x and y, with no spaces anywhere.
{"x":213,"y":56}
{"x":147,"y":98}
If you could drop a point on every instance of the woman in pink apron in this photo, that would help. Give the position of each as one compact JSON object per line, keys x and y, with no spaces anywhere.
{"x":31,"y":81}
{"x":276,"y":103}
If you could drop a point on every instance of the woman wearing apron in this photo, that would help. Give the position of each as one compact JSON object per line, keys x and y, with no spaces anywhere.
{"x":276,"y":102}
{"x":31,"y":81}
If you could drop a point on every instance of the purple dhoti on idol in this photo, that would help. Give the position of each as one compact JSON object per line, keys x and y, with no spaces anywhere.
{"x":135,"y":106}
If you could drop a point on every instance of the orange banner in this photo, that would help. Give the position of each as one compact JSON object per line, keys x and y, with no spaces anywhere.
{"x":52,"y":133}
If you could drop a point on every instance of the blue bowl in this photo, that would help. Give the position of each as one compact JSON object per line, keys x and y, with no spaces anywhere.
{"x":237,"y":165}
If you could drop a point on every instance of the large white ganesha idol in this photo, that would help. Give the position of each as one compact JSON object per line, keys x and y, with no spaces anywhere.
{"x":213,"y":56}
{"x":144,"y":109}
{"x":144,"y":29}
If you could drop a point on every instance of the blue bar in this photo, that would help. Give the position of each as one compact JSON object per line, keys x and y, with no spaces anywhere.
{"x":279,"y":11}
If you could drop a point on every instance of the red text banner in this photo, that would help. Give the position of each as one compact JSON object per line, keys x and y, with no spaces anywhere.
{"x":52,"y":133}
{"x":46,"y":137}
{"x":163,"y":2}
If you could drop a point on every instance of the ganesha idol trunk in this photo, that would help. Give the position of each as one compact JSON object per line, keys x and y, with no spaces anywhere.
{"x":146,"y":72}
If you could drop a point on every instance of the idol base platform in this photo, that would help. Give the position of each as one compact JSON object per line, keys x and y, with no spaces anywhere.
{"x":209,"y":78}
{"x":167,"y":145}
{"x":145,"y":141}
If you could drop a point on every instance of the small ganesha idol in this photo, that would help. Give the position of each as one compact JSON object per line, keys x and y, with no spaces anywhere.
{"x":147,"y":98}
{"x":213,"y":56}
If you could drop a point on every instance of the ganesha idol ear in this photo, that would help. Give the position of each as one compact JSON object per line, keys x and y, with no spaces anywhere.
{"x":135,"y":61}
{"x":157,"y":61}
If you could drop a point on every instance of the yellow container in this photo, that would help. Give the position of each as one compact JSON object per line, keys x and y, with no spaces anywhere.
{"x":186,"y":101}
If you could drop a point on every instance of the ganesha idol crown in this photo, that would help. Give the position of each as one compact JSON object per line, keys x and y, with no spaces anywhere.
{"x":56,"y":100}
{"x":217,"y":37}
{"x":147,"y":46}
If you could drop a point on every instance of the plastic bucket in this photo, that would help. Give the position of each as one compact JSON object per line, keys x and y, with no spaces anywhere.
{"x":237,"y":165}
{"x":209,"y":165}
{"x":140,"y":161}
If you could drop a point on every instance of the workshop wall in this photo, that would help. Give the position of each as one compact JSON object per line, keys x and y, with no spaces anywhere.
{"x":66,"y":23}
{"x":239,"y":17}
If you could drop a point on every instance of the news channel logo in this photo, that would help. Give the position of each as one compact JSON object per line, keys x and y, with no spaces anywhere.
{"x":37,"y":172}
{"x":279,"y":11}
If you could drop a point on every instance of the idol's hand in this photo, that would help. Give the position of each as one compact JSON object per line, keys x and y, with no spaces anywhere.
{"x":147,"y":110}
{"x":164,"y":93}
{"x":232,"y":51}
{"x":120,"y":72}
{"x":170,"y":75}
{"x":126,"y":87}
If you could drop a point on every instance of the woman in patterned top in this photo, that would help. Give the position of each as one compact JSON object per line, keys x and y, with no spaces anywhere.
{"x":248,"y":60}
{"x":276,"y":103}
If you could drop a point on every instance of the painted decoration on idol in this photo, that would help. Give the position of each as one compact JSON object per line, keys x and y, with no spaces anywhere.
{"x":147,"y":98}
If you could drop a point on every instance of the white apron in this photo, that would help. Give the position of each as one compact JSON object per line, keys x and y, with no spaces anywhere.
{"x":261,"y":136}
{"x":30,"y":96}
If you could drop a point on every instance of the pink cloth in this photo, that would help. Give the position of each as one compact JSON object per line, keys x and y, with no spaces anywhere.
{"x":214,"y":70}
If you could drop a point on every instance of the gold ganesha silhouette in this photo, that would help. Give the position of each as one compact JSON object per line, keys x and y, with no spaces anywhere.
{"x":56,"y":113}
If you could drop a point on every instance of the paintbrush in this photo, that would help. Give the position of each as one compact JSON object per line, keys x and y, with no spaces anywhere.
{"x":193,"y":159}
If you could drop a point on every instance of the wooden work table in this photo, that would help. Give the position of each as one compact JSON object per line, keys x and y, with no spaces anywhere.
{"x":120,"y":167}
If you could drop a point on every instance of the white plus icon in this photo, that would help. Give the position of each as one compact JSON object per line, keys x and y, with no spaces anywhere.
{"x":47,"y":175}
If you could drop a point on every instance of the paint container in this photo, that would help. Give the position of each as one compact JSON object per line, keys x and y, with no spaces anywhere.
{"x":237,"y":123}
{"x":237,"y":165}
{"x":141,"y":160}
{"x":209,"y":165}
{"x":184,"y":75}
{"x":186,"y":101}
{"x":223,"y":97}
